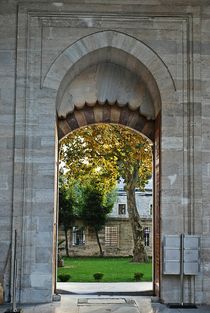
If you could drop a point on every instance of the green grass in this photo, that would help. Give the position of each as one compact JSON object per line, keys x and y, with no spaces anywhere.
{"x":114,"y":269}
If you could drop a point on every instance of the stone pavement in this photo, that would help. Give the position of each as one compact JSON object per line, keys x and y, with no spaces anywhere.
{"x":104,"y":288}
{"x":102,"y":304}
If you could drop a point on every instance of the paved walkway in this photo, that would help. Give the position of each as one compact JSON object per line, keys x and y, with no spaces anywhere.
{"x":104,"y":288}
{"x":101,"y":304}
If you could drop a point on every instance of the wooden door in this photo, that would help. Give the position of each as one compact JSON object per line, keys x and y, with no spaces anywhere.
{"x":156,"y":210}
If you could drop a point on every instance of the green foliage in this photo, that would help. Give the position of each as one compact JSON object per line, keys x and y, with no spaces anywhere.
{"x":106,"y":152}
{"x":96,"y":206}
{"x":138,"y":276}
{"x":70,"y":201}
{"x":69,"y":205}
{"x":98,"y":276}
{"x":98,"y":156}
{"x":66,"y":207}
{"x":64,"y":277}
{"x":84,"y":200}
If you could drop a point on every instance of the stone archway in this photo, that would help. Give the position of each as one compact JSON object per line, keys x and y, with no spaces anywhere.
{"x":113,"y":114}
{"x":77,"y":85}
{"x":155,"y":88}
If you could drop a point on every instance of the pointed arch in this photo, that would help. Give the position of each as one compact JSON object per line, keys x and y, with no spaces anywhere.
{"x":102,"y":45}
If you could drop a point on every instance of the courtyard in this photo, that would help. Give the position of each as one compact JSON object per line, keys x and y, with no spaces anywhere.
{"x":113,"y":269}
{"x":90,"y":304}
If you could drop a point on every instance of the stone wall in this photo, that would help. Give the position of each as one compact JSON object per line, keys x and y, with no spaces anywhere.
{"x":171,"y":40}
{"x":124,"y":247}
{"x":203,"y":110}
{"x":7,"y":109}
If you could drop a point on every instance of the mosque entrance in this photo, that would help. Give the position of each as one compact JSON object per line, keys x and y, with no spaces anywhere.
{"x":106,"y":113}
{"x":104,"y":77}
{"x":108,"y":92}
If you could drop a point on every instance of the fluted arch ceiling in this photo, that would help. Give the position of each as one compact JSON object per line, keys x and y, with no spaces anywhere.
{"x":107,"y":82}
{"x":109,"y":75}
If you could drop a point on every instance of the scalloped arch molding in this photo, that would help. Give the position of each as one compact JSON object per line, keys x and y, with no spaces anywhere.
{"x":106,"y":51}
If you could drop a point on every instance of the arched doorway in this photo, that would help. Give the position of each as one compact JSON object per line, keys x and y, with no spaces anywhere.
{"x":144,"y":97}
{"x":109,"y":154}
{"x":114,"y":114}
{"x":84,"y":83}
{"x":108,"y":85}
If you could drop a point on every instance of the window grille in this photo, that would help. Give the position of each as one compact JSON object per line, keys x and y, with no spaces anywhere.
{"x":111,"y":236}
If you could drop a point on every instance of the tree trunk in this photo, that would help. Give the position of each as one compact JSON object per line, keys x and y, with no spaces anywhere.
{"x":67,"y":242}
{"x":99,"y":244}
{"x":139,"y":253}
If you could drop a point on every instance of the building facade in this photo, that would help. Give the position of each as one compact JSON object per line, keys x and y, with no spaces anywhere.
{"x":116,"y":237}
{"x":67,"y":64}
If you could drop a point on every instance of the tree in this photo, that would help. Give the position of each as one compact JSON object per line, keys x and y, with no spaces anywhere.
{"x":135,"y":166}
{"x":110,"y":152}
{"x":88,"y":200}
{"x":67,"y":207}
{"x":97,"y":204}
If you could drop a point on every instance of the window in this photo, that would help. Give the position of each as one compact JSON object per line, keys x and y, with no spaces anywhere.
{"x":121,"y":208}
{"x":150,"y":209}
{"x":111,"y":236}
{"x":146,"y":236}
{"x":78,"y":236}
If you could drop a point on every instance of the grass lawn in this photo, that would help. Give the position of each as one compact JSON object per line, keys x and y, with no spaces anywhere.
{"x":114,"y":269}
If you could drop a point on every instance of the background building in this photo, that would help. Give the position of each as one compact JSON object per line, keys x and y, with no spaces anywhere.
{"x":116,"y":237}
